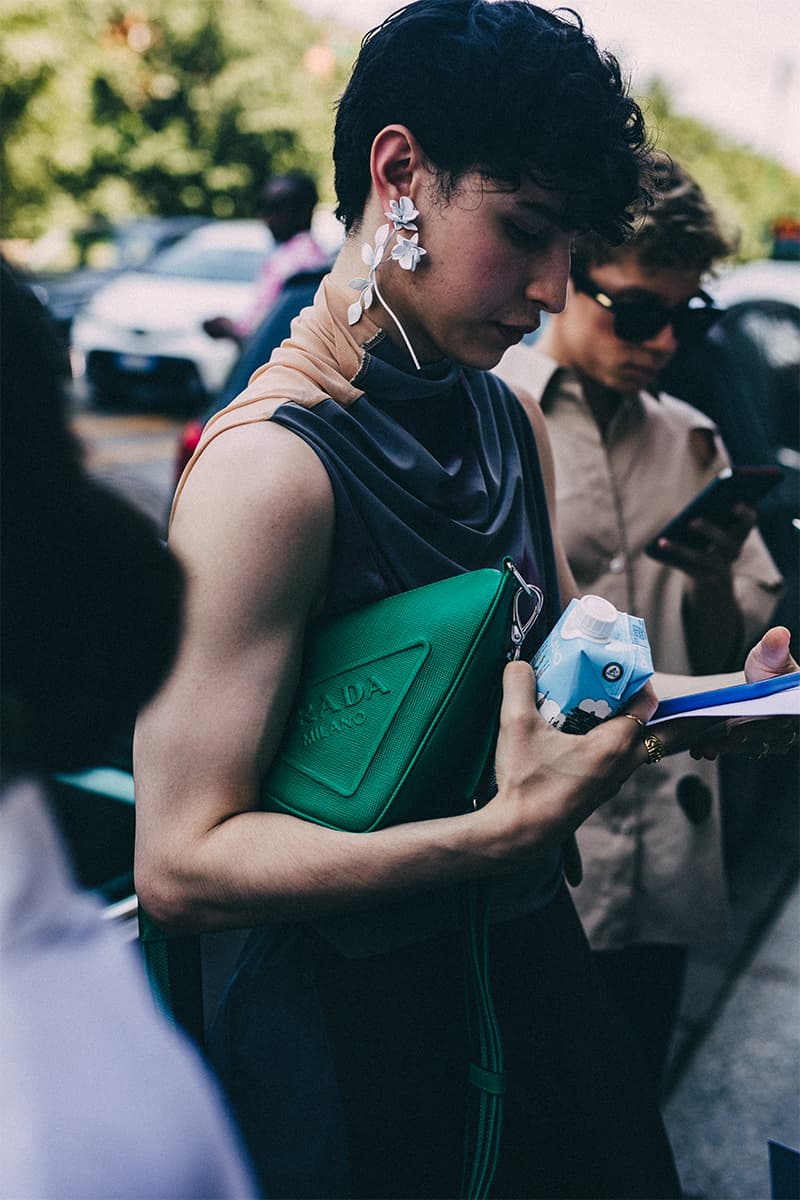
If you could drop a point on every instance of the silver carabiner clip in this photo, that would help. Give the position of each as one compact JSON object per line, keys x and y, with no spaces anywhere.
{"x":519,"y":628}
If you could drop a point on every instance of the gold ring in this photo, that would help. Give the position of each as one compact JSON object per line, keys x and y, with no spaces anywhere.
{"x":654,"y":747}
{"x":633,"y":717}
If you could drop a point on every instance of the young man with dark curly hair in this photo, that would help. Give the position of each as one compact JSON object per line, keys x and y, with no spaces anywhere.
{"x":374,"y":454}
{"x":627,"y":458}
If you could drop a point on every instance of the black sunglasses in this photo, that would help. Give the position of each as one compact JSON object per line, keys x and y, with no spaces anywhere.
{"x":639,"y":320}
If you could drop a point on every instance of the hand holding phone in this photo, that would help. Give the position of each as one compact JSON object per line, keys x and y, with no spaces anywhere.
{"x":714,"y":506}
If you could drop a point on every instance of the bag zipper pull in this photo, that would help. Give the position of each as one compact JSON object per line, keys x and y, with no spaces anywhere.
{"x":519,"y":628}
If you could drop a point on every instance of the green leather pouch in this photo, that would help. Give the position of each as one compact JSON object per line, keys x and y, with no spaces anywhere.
{"x":396,"y":714}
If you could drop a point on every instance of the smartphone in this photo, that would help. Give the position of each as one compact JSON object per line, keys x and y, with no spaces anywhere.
{"x":715,"y":503}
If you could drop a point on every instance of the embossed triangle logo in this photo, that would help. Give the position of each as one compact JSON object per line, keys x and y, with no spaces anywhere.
{"x":339,"y":723}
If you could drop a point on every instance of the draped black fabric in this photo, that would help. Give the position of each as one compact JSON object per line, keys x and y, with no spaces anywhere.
{"x":434,"y":472}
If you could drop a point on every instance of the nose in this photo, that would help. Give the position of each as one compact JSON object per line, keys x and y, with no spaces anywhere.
{"x":664,"y":342}
{"x":547,"y":286}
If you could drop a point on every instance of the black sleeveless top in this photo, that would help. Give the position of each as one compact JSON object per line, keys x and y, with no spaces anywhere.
{"x":434,"y":473}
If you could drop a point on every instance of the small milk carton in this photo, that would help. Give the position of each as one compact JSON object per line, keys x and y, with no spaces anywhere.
{"x":590,"y":664}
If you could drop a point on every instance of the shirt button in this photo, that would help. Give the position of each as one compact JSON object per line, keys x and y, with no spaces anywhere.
{"x":617,"y":564}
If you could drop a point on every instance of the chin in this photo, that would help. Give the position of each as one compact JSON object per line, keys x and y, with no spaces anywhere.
{"x":480,"y":358}
{"x":486,"y":363}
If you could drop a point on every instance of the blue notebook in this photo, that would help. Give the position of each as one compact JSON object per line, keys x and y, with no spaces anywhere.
{"x":740,"y":693}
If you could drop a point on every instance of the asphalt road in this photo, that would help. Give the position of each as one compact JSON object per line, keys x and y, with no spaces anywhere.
{"x":132,"y":452}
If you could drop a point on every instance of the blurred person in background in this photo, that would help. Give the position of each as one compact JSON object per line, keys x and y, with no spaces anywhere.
{"x":98,"y":1096}
{"x":627,"y":458}
{"x":287,"y":206}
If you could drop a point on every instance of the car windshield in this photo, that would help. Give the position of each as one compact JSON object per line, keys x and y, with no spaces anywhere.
{"x":134,"y":246}
{"x":61,"y":252}
{"x":237,"y":264}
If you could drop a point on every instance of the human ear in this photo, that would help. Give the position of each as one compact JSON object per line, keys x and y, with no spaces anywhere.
{"x":396,"y":164}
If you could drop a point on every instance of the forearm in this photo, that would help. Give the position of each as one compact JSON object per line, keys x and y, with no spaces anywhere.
{"x":666,"y":685}
{"x":257,"y":867}
{"x":207,"y":860}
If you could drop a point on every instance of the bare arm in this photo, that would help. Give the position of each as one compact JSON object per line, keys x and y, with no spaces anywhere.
{"x":254,"y":530}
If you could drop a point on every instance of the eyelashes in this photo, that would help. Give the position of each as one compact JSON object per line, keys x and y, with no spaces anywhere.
{"x":525,"y":237}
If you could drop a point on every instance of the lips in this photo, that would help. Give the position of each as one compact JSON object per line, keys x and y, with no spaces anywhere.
{"x":514,"y":333}
{"x":640,"y":370}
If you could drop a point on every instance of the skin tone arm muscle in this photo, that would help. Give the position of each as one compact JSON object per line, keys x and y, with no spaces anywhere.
{"x":256,"y":555}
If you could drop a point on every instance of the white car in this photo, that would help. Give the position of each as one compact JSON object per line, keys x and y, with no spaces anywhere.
{"x":140,"y":340}
{"x":763,"y":279}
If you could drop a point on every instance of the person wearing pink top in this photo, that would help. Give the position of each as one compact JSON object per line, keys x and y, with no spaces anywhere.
{"x":287,"y":205}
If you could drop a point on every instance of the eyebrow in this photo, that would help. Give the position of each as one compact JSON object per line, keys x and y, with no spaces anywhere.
{"x":550,"y":214}
{"x":632,"y":292}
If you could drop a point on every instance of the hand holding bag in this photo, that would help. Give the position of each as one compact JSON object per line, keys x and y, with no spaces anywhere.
{"x":396,"y":713}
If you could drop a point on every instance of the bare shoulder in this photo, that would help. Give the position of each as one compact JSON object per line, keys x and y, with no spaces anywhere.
{"x":257,"y":496}
{"x":254,"y":467}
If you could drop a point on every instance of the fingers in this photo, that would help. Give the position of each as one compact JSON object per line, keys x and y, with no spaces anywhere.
{"x":519,"y":691}
{"x":770,"y":656}
{"x":759,"y":739}
{"x":708,"y":563}
{"x":519,"y":703}
{"x":754,"y":738}
{"x":626,"y":738}
{"x":646,"y":745}
{"x":725,"y":541}
{"x":721,"y":544}
{"x":643,"y":704}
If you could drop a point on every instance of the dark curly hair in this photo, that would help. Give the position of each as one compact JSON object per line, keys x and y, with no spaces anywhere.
{"x":680,"y":229}
{"x":504,"y":88}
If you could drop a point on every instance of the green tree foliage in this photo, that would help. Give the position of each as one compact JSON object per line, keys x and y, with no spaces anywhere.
{"x":148,"y":106}
{"x":749,"y":190}
{"x":120,"y":107}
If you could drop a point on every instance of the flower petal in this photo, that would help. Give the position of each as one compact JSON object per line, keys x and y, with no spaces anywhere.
{"x":402,"y":214}
{"x":358,"y":284}
{"x":381,"y":234}
{"x":407,"y":252}
{"x":366,"y":297}
{"x":354,"y":313}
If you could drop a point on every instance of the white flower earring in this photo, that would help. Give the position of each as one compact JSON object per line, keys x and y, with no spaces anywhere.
{"x":406,"y":251}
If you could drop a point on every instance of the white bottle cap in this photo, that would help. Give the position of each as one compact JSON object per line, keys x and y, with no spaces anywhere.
{"x":595,"y":617}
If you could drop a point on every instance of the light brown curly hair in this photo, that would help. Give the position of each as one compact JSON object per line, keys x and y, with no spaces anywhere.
{"x":679,"y":230}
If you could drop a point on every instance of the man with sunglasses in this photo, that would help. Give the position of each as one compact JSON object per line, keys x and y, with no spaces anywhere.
{"x":628,"y":458}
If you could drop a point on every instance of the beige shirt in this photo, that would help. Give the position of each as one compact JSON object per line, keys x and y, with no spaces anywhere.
{"x":651,"y":874}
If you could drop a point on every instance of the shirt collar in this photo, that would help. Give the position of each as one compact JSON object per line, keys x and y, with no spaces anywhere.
{"x":386,"y":373}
